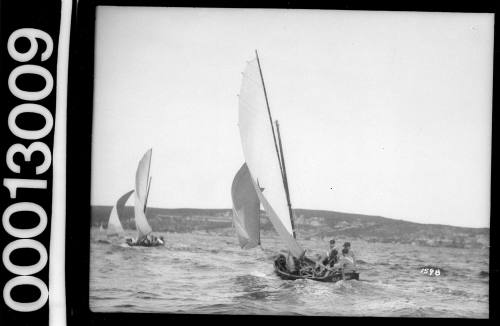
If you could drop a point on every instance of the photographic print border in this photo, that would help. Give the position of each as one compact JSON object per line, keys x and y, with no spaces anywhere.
{"x":79,"y":163}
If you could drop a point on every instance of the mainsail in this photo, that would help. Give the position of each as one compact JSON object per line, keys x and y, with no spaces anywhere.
{"x":141,"y":193}
{"x":115,"y":228}
{"x":261,"y":156}
{"x":246,"y":209}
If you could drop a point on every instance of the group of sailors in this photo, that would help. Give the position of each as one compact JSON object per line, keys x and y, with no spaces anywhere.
{"x":333,"y":260}
{"x":344,"y":260}
{"x":149,"y":240}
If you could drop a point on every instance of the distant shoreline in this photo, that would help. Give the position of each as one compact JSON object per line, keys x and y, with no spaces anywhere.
{"x":310,"y":224}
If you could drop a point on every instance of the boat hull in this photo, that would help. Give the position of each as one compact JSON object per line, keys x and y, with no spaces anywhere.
{"x":333,"y":276}
{"x":131,"y":244}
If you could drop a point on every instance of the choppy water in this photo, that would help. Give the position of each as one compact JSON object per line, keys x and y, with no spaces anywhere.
{"x":210,"y":274}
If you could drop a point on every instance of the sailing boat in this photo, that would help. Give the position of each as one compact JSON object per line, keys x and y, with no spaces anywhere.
{"x":142,"y":186}
{"x":262,"y":179}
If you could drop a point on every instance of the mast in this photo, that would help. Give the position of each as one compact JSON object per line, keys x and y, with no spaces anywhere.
{"x":281,"y":160}
{"x":149,"y":166}
{"x":268,"y":110}
{"x":147,"y":194}
{"x":285,"y":179}
{"x":149,"y":182}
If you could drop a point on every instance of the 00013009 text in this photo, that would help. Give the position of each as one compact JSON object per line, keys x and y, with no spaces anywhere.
{"x":24,"y":236}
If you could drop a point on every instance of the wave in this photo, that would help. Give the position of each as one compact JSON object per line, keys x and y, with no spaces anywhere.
{"x":259,"y":274}
{"x":147,"y":295}
{"x":396,"y":267}
{"x":484,"y":274}
{"x":201,"y":274}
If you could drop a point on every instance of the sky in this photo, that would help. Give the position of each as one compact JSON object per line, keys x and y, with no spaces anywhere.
{"x":381,"y":113}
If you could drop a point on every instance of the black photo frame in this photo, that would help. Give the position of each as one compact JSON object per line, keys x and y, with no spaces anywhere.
{"x":79,"y":152}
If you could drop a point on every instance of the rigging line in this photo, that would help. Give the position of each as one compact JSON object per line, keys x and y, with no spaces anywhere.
{"x":285,"y":180}
{"x":268,"y":110}
{"x":149,"y":181}
{"x":150,"y":159}
{"x":147,"y":194}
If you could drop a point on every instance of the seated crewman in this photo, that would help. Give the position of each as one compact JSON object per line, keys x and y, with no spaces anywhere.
{"x":350,"y":253}
{"x":345,"y":263}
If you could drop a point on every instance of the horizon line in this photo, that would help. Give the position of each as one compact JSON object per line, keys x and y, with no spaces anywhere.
{"x":319,"y":210}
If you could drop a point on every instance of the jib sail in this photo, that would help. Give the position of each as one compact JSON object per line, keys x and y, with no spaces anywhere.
{"x":246,"y":209}
{"x":115,"y":228}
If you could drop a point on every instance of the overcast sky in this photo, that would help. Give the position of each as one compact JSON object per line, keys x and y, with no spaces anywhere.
{"x":385,"y":113}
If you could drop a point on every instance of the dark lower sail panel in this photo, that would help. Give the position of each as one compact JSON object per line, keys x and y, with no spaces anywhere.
{"x":246,"y":209}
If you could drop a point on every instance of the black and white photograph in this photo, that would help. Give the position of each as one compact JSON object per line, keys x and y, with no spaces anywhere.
{"x":291,"y":162}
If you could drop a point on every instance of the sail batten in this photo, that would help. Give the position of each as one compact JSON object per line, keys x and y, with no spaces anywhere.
{"x":261,"y":153}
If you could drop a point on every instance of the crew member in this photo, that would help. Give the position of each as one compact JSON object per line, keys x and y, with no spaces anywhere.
{"x":345,"y":263}
{"x":331,"y":255}
{"x":350,"y":253}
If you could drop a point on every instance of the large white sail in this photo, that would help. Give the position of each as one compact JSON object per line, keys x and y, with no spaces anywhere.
{"x":141,"y":193}
{"x":115,"y":228}
{"x":260,"y":153}
{"x":246,"y":209}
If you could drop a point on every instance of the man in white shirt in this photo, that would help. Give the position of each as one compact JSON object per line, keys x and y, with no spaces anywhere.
{"x":346,"y":263}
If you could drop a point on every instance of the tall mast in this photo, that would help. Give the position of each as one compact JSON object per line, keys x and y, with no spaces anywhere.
{"x":149,"y":182}
{"x":268,"y":110}
{"x":147,"y":194}
{"x":280,"y":157}
{"x":285,"y":179}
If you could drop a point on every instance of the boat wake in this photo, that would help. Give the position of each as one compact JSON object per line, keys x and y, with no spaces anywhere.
{"x":259,"y":274}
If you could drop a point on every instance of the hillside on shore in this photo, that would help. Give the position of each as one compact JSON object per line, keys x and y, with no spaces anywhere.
{"x":310,"y":224}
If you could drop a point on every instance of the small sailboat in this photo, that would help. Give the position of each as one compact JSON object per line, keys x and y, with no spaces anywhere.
{"x":142,"y":185}
{"x":262,"y":179}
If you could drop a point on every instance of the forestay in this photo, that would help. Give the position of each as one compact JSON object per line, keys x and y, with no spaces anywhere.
{"x":141,"y":192}
{"x":115,"y":228}
{"x":246,"y":209}
{"x":260,"y":153}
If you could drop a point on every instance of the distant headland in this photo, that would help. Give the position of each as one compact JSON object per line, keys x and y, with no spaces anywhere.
{"x":310,"y":224}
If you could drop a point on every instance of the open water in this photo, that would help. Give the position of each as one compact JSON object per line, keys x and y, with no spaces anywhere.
{"x":210,"y":274}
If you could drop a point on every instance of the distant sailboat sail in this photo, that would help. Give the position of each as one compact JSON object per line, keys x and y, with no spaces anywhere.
{"x":261,"y":154}
{"x":246,"y":209}
{"x":141,"y":193}
{"x":115,"y":228}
